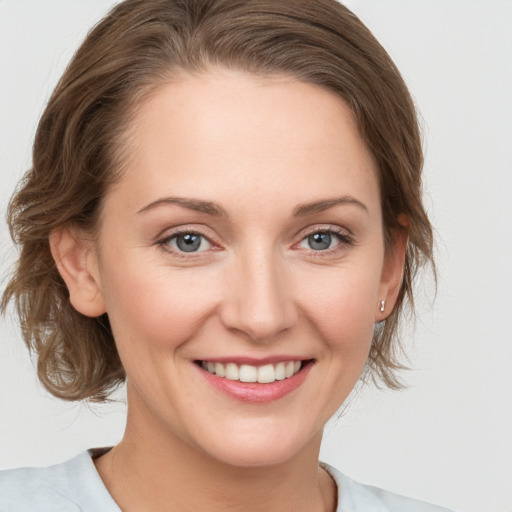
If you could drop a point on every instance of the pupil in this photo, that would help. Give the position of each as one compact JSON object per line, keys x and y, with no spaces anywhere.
{"x":319,"y":241}
{"x":189,"y":242}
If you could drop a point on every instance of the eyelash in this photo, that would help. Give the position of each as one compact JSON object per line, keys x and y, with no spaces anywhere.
{"x":344,"y":241}
{"x":165,"y":241}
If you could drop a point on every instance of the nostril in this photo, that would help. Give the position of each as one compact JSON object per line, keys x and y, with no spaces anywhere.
{"x":258,"y":302}
{"x":257,"y":325}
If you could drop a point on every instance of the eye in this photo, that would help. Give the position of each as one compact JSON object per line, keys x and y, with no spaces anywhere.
{"x":188,"y":242}
{"x":322,"y":240}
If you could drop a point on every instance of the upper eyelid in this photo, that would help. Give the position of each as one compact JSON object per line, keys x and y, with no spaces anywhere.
{"x":329,"y":228}
{"x":344,"y":235}
{"x":345,"y":242}
{"x":217,"y":240}
{"x":183,"y":230}
{"x":163,"y":241}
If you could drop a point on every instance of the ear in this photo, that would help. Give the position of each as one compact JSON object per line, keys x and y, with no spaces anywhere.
{"x":76,"y":261}
{"x":393,"y":270}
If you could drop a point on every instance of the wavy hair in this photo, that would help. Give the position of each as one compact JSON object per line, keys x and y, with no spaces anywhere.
{"x":79,"y":152}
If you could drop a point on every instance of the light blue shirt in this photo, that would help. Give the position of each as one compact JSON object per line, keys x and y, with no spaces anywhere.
{"x":75,"y":486}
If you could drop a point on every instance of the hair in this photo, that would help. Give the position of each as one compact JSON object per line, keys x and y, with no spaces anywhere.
{"x":79,"y":151}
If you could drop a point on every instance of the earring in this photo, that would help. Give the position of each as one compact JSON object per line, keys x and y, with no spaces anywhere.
{"x":382,"y":306}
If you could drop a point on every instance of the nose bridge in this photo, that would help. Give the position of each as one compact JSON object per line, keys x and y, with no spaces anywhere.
{"x":260,"y":302}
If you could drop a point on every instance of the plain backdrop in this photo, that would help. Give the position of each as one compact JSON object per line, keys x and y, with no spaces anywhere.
{"x":448,"y":437}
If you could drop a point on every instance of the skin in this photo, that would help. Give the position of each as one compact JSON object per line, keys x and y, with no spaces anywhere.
{"x":259,"y":148}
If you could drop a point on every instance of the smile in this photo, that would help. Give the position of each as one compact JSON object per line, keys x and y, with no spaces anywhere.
{"x":264,"y":374}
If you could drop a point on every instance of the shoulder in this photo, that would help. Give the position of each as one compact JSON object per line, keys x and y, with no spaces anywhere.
{"x":357,"y":497}
{"x":72,"y":486}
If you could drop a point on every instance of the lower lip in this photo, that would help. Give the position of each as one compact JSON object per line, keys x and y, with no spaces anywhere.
{"x":255,"y":392}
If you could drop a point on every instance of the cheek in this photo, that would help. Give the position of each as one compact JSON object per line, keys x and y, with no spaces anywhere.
{"x":341,"y":306}
{"x":158,"y":308}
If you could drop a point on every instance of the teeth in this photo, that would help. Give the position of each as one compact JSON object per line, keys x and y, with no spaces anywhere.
{"x":280,"y":372}
{"x":220,"y":370}
{"x":288,"y":369}
{"x":231,"y":371}
{"x":248,"y":373}
{"x":266,"y":374}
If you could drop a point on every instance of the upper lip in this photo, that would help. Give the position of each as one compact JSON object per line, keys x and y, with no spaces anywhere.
{"x":253,"y":361}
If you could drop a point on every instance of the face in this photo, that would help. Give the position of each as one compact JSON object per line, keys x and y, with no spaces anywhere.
{"x":244,"y":242}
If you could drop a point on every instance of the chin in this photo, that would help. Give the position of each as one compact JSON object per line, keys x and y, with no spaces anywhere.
{"x":254,"y":455}
{"x":261,"y":447}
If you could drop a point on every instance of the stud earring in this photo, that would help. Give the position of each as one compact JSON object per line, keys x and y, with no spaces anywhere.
{"x":382,"y":306}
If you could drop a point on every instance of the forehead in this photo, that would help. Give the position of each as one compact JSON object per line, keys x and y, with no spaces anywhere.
{"x":211,"y":134}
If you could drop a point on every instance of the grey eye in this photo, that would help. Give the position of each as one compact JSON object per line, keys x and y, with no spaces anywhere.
{"x":322,"y":240}
{"x":319,"y":241}
{"x":189,"y":242}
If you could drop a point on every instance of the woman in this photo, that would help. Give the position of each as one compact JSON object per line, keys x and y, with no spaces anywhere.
{"x":224,"y":210}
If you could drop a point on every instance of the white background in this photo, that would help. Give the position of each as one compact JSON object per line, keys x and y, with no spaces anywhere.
{"x":448,"y":437}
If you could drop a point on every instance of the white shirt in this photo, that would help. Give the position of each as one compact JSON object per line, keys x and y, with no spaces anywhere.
{"x":76,"y":486}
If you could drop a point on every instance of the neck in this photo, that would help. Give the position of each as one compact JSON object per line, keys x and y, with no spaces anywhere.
{"x":161,"y":471}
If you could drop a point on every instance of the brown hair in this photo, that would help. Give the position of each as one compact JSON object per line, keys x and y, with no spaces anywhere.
{"x":78,"y":151}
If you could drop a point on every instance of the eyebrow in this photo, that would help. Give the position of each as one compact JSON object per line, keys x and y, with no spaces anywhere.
{"x":216,"y":210}
{"x":192,"y":204}
{"x":320,"y":206}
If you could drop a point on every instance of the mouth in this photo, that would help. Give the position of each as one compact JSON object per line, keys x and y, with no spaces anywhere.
{"x":256,"y":383}
{"x":262,"y":374}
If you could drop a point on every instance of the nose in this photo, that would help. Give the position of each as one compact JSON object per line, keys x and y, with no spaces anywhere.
{"x":259,"y":299}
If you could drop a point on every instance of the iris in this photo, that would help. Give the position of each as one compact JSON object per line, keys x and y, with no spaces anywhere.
{"x":320,"y":241}
{"x":188,"y":242}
